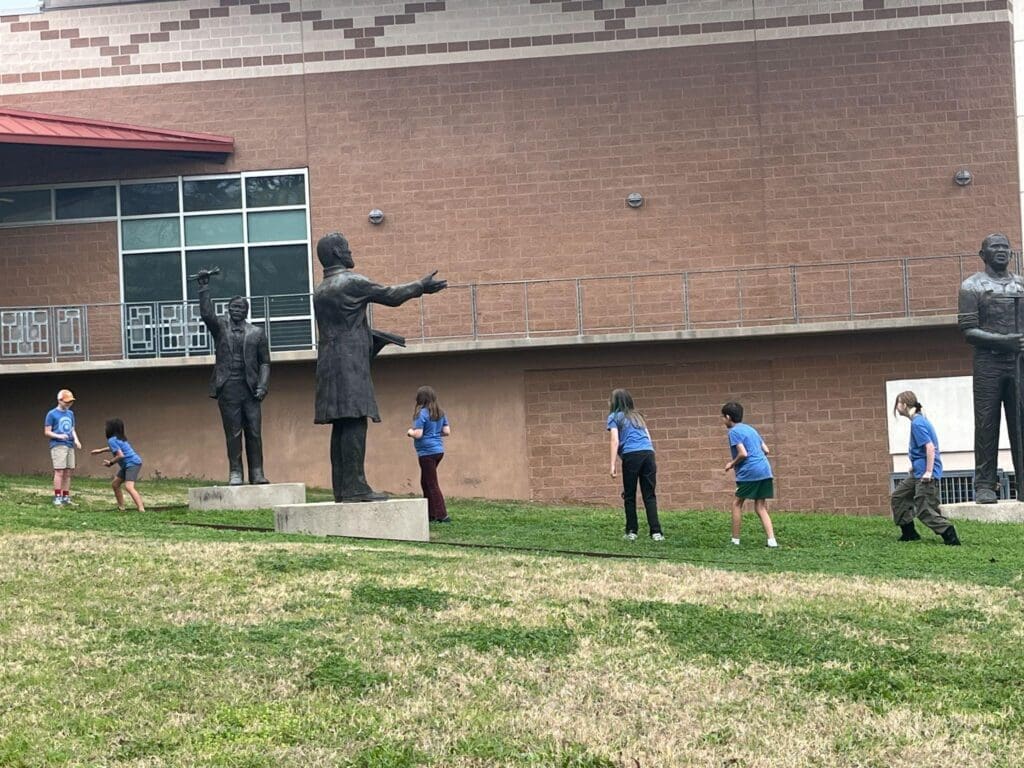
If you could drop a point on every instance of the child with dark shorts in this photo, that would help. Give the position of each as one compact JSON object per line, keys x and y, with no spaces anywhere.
{"x":129,"y":464}
{"x":753,"y":472}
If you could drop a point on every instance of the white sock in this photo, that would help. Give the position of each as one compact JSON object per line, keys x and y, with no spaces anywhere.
{"x":736,"y":542}
{"x":772,"y":543}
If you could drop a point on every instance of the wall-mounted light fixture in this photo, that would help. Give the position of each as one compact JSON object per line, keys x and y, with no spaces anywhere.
{"x":963,"y":177}
{"x":376,"y":216}
{"x":634,"y":199}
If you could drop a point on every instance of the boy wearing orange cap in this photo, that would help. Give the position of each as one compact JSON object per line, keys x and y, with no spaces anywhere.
{"x":59,"y":426}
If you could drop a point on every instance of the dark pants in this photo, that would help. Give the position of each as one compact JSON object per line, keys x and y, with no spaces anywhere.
{"x":436,"y":509}
{"x":912,"y":498}
{"x":240,"y":414}
{"x":348,"y":453}
{"x":994,"y":391}
{"x":640,"y":466}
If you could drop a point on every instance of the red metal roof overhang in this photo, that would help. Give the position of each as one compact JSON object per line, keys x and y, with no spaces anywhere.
{"x":21,"y":127}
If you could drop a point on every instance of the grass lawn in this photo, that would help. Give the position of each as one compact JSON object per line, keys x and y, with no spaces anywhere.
{"x":131,"y":640}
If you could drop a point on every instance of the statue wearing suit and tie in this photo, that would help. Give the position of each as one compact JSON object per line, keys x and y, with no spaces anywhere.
{"x":241,"y":376}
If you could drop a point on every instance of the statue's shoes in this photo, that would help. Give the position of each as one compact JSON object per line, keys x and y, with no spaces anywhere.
{"x":259,"y":479}
{"x":985,"y":496}
{"x":235,"y":478}
{"x":371,"y":496}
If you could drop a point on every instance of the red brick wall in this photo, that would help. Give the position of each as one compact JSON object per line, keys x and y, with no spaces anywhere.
{"x":819,"y":403}
{"x":795,"y":151}
{"x":70,"y":263}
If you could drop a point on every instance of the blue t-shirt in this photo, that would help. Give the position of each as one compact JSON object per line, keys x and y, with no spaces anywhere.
{"x":61,"y":422}
{"x":432,"y":442}
{"x":131,"y":458}
{"x":756,"y":466}
{"x":921,"y":433}
{"x":632,"y":438}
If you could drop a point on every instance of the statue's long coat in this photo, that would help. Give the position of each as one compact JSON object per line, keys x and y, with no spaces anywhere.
{"x":344,"y":388}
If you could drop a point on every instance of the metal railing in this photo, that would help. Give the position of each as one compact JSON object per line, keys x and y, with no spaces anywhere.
{"x":748,"y":297}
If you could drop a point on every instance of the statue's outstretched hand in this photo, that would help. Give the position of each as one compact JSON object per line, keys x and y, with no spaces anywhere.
{"x":432,"y":285}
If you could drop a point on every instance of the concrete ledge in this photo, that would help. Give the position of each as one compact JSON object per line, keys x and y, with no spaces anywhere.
{"x":246,"y":496}
{"x":395,"y":519}
{"x":1000,"y":512}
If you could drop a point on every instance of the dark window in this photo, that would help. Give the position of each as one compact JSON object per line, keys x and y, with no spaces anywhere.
{"x":25,"y":206}
{"x":265,"y":191}
{"x":212,"y":194}
{"x":145,"y":199}
{"x":152,"y":277}
{"x":86,"y":203}
{"x":231,"y":280}
{"x":281,"y":271}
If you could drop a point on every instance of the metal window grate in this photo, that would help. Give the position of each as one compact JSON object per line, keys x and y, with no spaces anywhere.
{"x":958,"y":487}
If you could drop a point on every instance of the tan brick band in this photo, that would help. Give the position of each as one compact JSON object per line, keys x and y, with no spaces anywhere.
{"x":156,"y":47}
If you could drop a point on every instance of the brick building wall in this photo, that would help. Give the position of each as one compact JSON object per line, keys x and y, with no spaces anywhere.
{"x":819,"y":403}
{"x":810,"y":144}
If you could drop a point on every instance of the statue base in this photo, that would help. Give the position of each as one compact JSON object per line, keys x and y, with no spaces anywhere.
{"x":267,"y":496}
{"x":394,"y":519}
{"x":1000,"y":512}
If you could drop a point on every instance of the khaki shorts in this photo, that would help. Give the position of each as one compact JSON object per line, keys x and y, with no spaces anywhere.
{"x":63,"y":456}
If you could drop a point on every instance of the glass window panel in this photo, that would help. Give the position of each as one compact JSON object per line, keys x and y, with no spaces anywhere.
{"x":86,"y":203}
{"x":277,"y":225}
{"x":140,"y":234}
{"x":265,"y":191}
{"x":278,"y":270}
{"x":231,"y":280}
{"x":27,"y":205}
{"x":145,"y":199}
{"x":152,"y":277}
{"x":212,"y":194}
{"x":213,"y":230}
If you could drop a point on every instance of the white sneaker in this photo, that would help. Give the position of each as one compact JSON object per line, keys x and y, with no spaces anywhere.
{"x":630,"y":537}
{"x":57,"y":502}
{"x":772,"y":544}
{"x":657,"y":537}
{"x":735,"y":541}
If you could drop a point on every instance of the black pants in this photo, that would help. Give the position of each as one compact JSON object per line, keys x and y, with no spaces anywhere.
{"x":241,"y":415}
{"x":994,"y":392}
{"x":640,"y":466}
{"x":348,"y":453}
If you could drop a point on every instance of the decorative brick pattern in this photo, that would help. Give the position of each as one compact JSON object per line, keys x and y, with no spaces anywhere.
{"x":189,"y":40}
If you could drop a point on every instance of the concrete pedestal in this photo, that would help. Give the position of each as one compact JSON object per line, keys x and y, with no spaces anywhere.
{"x":394,"y":519}
{"x":246,"y":496}
{"x":1000,"y":512}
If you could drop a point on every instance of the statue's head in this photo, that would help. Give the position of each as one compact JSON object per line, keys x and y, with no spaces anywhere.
{"x":238,"y":308}
{"x":995,"y":251}
{"x":333,"y":251}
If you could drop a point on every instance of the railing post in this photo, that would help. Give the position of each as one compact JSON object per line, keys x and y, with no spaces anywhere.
{"x":526,"y":307}
{"x":849,"y":288}
{"x":794,"y":294}
{"x":51,"y":332}
{"x":579,"y":307}
{"x":739,"y":298}
{"x":266,"y":320}
{"x":686,"y":300}
{"x":632,"y":305}
{"x":906,"y":287}
{"x":473,"y":309}
{"x":85,"y":332}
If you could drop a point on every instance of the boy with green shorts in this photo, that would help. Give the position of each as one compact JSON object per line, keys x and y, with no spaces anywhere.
{"x":753,"y":472}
